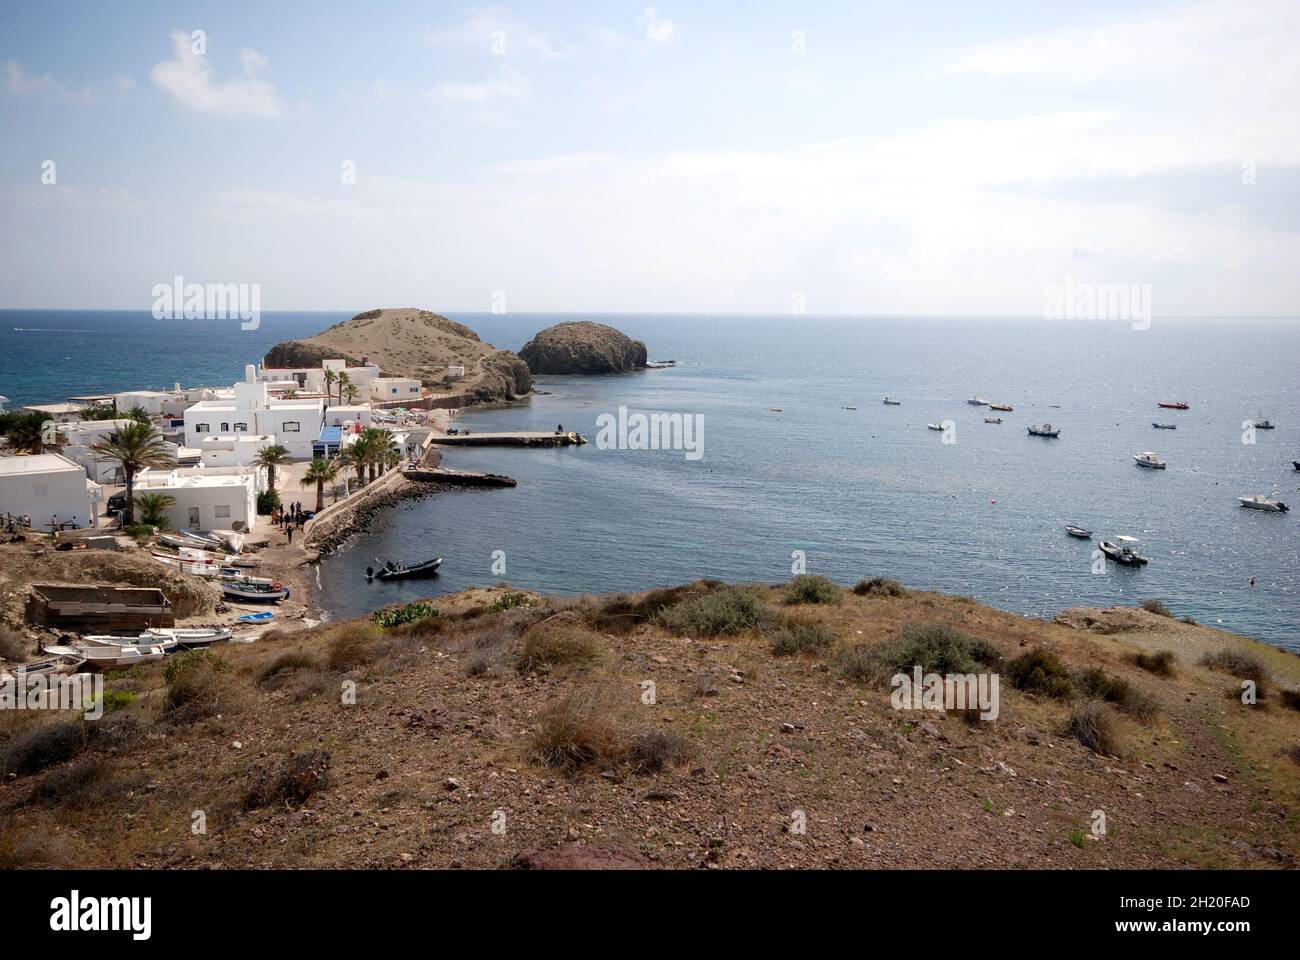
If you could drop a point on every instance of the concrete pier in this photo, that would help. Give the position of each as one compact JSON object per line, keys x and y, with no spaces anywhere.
{"x":537,"y":438}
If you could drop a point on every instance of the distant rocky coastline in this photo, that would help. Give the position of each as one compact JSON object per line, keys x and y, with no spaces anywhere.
{"x":583,"y":347}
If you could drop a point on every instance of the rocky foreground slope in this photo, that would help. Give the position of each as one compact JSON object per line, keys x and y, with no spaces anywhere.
{"x":414,"y":343}
{"x":701,"y":726}
{"x":583,"y":347}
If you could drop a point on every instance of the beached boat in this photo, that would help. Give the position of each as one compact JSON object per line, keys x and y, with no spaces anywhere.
{"x":55,"y":666}
{"x":1044,"y":430}
{"x":992,"y":419}
{"x":126,"y":643}
{"x":401,"y":571}
{"x":978,"y":402}
{"x":891,"y":402}
{"x":1258,"y":502}
{"x":1124,"y":551}
{"x":178,"y":541}
{"x":260,"y":617}
{"x":1149,"y":460}
{"x":109,"y":656}
{"x":1165,"y":426}
{"x":1179,"y":405}
{"x":191,"y":638}
{"x":246,"y":592}
{"x":1079,"y":532}
{"x":1004,"y":407}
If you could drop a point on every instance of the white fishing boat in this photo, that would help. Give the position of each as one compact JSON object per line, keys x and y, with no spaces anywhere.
{"x":54,"y":666}
{"x":190,"y":638}
{"x":110,"y":657}
{"x":992,"y":419}
{"x":891,"y":402}
{"x":1149,"y":460}
{"x":99,"y":640}
{"x":1259,"y":502}
{"x":246,"y":591}
{"x":934,"y":426}
{"x":1123,"y":551}
{"x":978,"y":402}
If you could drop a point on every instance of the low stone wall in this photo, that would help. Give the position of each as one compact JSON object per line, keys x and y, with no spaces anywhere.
{"x":340,"y":514}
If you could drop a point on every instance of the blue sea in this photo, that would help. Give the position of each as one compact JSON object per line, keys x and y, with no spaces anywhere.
{"x":864,"y":492}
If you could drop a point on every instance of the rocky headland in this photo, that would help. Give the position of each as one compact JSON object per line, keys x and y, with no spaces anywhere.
{"x":583,"y":347}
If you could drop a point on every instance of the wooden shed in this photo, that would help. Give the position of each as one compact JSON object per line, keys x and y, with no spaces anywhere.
{"x":99,"y":609}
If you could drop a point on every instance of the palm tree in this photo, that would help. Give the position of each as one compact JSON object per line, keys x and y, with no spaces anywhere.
{"x":353,"y":457}
{"x":153,"y":509}
{"x":138,"y":414}
{"x":28,"y":433}
{"x":98,"y":412}
{"x":344,"y":382}
{"x":320,"y":472}
{"x":377,"y":444}
{"x":271,"y":457}
{"x":136,"y":446}
{"x":352,"y":393}
{"x":392,"y":457}
{"x":330,"y":377}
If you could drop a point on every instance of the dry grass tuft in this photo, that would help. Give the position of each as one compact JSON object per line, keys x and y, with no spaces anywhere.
{"x":879,"y":587}
{"x":300,"y":776}
{"x":1093,"y":724}
{"x":1160,"y":662}
{"x":552,"y":644}
{"x":579,"y":730}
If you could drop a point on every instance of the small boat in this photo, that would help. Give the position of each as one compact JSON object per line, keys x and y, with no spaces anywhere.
{"x":660,"y":364}
{"x":401,"y":571}
{"x":891,"y":402}
{"x":1265,"y":425}
{"x":1124,"y":551}
{"x":179,"y":541}
{"x":1258,"y":502}
{"x":240,"y":574}
{"x":850,"y":408}
{"x":1165,"y":426}
{"x":1172,"y":406}
{"x":55,"y":666}
{"x":1079,"y":532}
{"x":184,"y":638}
{"x":1150,"y":460}
{"x":992,"y":419}
{"x":1044,"y":430}
{"x":204,"y":538}
{"x":260,"y":617}
{"x":96,"y":640}
{"x":109,"y":656}
{"x":978,"y":402}
{"x":246,"y":592}
{"x":1296,"y":464}
{"x":934,"y":426}
{"x":774,"y":409}
{"x":1004,"y":407}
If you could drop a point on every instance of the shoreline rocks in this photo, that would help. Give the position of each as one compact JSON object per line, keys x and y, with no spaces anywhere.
{"x":583,"y":347}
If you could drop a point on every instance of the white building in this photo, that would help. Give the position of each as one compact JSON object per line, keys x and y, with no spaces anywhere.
{"x":388,"y":389}
{"x":80,"y":437}
{"x":58,"y":412}
{"x":356,"y":417}
{"x":153,"y":402}
{"x":48,"y":486}
{"x":234,"y":450}
{"x":247,"y":409}
{"x":312,"y":379}
{"x":206,"y":499}
{"x":3,"y":401}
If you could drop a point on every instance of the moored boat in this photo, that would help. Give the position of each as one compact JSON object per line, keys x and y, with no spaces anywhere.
{"x":1265,"y":425}
{"x":992,"y":419}
{"x":248,"y":592}
{"x":934,"y":426}
{"x":1123,"y":551}
{"x":1149,"y":460}
{"x":402,"y":571}
{"x":1176,"y":405}
{"x":1164,"y":426}
{"x":977,"y":402}
{"x":1076,"y":531}
{"x":1044,"y":430}
{"x":1259,"y":502}
{"x":891,"y":402}
{"x":1004,"y":407}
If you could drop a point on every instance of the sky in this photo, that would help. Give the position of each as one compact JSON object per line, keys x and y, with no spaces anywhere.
{"x":704,"y":157}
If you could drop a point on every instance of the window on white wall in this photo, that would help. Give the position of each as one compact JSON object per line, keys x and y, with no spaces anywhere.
{"x":200,"y":428}
{"x":241,"y":428}
{"x":290,"y":426}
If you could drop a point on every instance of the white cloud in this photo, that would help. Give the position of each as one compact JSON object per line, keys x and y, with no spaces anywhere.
{"x":657,"y":30}
{"x":18,"y":81}
{"x":507,"y":84}
{"x":187,"y":77}
{"x":494,"y":30}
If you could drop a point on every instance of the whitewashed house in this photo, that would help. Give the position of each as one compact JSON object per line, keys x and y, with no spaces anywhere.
{"x":312,"y":379}
{"x":205,"y":499}
{"x":248,"y":409}
{"x":48,"y":486}
{"x":234,"y":450}
{"x":391,"y":389}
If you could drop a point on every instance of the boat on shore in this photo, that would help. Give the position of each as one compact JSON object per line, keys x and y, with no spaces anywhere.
{"x":1044,"y":430}
{"x":1296,"y":464}
{"x":1164,"y":426}
{"x":1123,"y":551}
{"x":1076,"y":531}
{"x":1259,"y":502}
{"x":891,"y":402}
{"x":402,"y":571}
{"x":110,"y":656}
{"x":1004,"y":407}
{"x":55,"y":666}
{"x":244,"y":591}
{"x":1149,"y":460}
{"x":1176,"y":405}
{"x":169,"y":639}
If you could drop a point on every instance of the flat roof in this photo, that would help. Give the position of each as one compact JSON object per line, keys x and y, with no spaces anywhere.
{"x":55,"y":407}
{"x":37,"y":463}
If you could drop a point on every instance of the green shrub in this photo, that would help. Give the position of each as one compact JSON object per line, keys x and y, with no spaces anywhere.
{"x":938,"y":649}
{"x":1093,"y":724}
{"x":1156,"y":607}
{"x":792,"y":637}
{"x":511,"y":600}
{"x":1160,"y":662}
{"x":879,"y":587}
{"x":623,"y":612}
{"x":550,"y":645}
{"x":1096,"y":683}
{"x":1238,"y":663}
{"x":860,"y":662}
{"x":268,"y":501}
{"x":1040,"y":671}
{"x":39,"y":747}
{"x":812,"y":588}
{"x":400,"y":616}
{"x":730,"y":611}
{"x":117,"y":699}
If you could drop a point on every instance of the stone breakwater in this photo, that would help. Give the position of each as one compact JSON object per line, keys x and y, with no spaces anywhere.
{"x":334,"y":526}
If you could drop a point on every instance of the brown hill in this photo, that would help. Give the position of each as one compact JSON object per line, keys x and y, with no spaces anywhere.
{"x":510,"y":728}
{"x":583,"y":347}
{"x":407,"y":342}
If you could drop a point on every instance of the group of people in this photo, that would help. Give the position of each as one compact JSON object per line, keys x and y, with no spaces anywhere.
{"x":290,"y":517}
